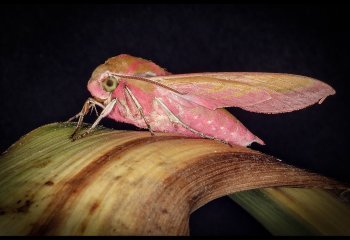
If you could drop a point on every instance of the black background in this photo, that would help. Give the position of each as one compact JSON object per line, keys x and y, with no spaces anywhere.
{"x":48,"y":53}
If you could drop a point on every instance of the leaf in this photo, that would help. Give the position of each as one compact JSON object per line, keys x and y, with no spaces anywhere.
{"x":126,"y":182}
{"x":298,"y":211}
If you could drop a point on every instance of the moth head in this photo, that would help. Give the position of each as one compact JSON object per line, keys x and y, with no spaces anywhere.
{"x":102,"y":82}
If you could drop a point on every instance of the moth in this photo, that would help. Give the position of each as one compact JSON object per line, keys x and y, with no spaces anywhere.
{"x":139,"y":92}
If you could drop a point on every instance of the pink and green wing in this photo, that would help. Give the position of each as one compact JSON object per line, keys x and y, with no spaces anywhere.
{"x":256,"y":92}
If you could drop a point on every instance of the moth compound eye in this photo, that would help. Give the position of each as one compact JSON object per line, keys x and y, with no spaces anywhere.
{"x":109,"y":84}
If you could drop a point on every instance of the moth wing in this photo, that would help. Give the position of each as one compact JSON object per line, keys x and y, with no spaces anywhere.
{"x":256,"y":92}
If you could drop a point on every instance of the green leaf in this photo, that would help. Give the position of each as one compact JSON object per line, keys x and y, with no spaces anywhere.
{"x":298,"y":211}
{"x":131,"y":183}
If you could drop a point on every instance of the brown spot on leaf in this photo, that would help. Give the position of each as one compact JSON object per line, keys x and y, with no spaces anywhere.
{"x":117,"y":178}
{"x":49,"y":183}
{"x":94,"y":207}
{"x":83,"y":226}
{"x":164,"y":211}
{"x":25,"y":207}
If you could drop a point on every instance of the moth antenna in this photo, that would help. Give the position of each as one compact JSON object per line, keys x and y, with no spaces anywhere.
{"x":149,"y":81}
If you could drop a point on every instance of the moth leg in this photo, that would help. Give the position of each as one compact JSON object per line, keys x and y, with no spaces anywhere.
{"x":80,"y":115}
{"x":176,"y":120}
{"x":90,"y":102}
{"x":93,"y":108}
{"x":82,"y":112}
{"x":139,"y":108}
{"x":107,"y":110}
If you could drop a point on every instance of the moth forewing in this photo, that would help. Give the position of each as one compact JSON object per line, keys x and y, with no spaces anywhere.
{"x":257,"y":92}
